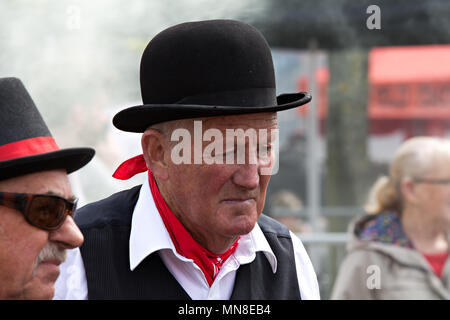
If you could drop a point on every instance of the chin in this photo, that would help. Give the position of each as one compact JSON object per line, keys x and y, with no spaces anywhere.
{"x":42,"y":284}
{"x":43,"y":292}
{"x":238,"y":219}
{"x":243,"y":224}
{"x":48,"y":293}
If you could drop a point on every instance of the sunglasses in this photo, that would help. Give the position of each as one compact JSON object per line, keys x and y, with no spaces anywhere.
{"x":45,"y":211}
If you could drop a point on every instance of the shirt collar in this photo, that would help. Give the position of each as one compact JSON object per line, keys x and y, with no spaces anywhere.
{"x":148,"y":235}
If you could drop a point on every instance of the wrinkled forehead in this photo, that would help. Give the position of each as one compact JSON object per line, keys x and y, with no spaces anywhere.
{"x":266,"y":120}
{"x":43,"y":182}
{"x":253,"y":120}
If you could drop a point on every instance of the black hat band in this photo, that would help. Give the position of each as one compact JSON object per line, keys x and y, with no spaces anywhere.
{"x":255,"y":97}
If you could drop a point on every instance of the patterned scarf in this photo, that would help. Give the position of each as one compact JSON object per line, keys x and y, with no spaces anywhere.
{"x":386,"y":228}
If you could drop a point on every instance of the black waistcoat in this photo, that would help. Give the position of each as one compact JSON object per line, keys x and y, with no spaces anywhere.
{"x":106,"y":226}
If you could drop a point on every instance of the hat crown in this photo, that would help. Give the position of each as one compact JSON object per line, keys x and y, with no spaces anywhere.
{"x":26,"y":144}
{"x":196,"y":62}
{"x":206,"y":69}
{"x":19,"y":117}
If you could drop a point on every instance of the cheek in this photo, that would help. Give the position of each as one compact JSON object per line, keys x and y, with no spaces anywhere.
{"x":200,"y":185}
{"x":264,"y":182}
{"x":211,"y":178}
{"x":19,"y":250}
{"x":437,"y":202}
{"x":444,"y":200}
{"x":211,"y":184}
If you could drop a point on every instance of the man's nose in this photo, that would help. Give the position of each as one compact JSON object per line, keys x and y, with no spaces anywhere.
{"x":247,"y":176}
{"x":68,"y":235}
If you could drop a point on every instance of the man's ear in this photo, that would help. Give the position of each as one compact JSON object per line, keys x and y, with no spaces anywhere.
{"x":155,"y":148}
{"x":409,"y":190}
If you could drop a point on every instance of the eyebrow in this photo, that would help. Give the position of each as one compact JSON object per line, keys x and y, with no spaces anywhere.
{"x":53,"y":193}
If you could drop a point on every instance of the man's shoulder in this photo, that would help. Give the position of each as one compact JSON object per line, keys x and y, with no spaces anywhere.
{"x":270,"y":225}
{"x":116,"y":209}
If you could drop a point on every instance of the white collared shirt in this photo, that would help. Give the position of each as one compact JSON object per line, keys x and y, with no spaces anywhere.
{"x":149,"y":235}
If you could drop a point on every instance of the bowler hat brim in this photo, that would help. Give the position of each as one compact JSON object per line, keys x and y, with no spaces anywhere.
{"x":70,"y":159}
{"x":139,"y":118}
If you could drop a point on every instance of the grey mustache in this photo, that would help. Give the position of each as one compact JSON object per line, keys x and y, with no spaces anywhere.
{"x":50,"y":252}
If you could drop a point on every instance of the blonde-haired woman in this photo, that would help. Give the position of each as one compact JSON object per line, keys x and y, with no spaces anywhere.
{"x":400,"y":249}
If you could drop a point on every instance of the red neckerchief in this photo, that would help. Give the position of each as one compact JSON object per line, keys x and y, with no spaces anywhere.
{"x":210,"y":263}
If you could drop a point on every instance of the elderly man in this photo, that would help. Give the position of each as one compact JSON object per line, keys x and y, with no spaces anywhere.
{"x":194,"y":229}
{"x":36,"y":201}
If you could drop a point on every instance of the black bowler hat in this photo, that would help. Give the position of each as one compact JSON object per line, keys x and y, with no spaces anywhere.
{"x":206,"y":68}
{"x":26,"y":144}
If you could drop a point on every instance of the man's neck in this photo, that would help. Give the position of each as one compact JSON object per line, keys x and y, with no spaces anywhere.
{"x":213,"y":243}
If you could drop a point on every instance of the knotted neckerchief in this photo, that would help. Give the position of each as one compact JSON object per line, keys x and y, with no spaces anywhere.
{"x":210,"y":263}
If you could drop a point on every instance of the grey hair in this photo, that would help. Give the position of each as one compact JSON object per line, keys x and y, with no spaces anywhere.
{"x":166,"y":128}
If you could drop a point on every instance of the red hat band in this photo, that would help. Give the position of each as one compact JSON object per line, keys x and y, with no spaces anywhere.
{"x":27,"y":147}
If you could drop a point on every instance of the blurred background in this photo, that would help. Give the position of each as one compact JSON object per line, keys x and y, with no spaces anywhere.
{"x":378,"y":75}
